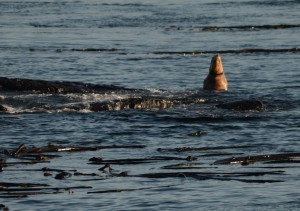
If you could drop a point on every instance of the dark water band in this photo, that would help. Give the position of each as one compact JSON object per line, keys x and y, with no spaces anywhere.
{"x":196,"y":52}
{"x":241,"y":51}
{"x":232,"y":28}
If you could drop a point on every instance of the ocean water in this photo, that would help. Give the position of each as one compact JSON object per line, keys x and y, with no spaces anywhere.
{"x":146,"y":48}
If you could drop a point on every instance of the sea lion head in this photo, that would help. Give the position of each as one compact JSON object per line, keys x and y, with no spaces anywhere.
{"x":216,"y":67}
{"x":216,"y":79}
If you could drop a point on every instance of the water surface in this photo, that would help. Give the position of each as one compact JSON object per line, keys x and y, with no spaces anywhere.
{"x":46,"y":40}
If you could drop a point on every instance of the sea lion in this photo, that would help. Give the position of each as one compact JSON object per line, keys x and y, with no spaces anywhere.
{"x":216,"y":79}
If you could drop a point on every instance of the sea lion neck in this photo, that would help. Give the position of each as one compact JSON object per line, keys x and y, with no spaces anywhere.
{"x":212,"y":73}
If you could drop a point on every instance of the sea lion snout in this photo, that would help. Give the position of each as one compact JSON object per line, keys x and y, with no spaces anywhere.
{"x":216,"y":79}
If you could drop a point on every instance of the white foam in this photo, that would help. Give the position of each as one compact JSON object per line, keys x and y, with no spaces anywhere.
{"x":94,"y":97}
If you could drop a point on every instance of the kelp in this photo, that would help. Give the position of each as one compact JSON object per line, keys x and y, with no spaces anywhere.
{"x":23,"y":151}
{"x":186,"y":166}
{"x":66,"y":88}
{"x":138,"y":160}
{"x":257,"y":158}
{"x":186,"y":149}
{"x":189,"y":167}
{"x":208,"y":174}
{"x":240,"y":51}
{"x":251,"y":27}
{"x":225,"y":176}
{"x":13,"y":184}
{"x":130,"y":189}
{"x":232,"y":28}
{"x":20,"y":190}
{"x":25,"y":192}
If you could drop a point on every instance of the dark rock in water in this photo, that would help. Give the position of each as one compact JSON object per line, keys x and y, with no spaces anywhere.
{"x":17,"y":84}
{"x":2,"y":108}
{"x":243,"y":105}
{"x":96,"y":159}
{"x":47,"y":174}
{"x":123,"y":174}
{"x":62,"y":175}
{"x":197,"y":133}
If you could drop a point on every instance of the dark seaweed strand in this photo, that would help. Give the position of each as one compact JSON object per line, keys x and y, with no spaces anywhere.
{"x":241,"y":27}
{"x":258,"y":158}
{"x":213,"y":176}
{"x":252,"y":27}
{"x":241,"y":51}
{"x":22,"y":150}
{"x":43,"y":189}
{"x":59,"y":50}
{"x":196,"y":52}
{"x":129,"y":189}
{"x":186,"y":149}
{"x":139,"y":160}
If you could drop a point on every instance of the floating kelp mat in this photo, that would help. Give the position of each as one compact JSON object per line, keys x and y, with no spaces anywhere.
{"x":161,"y":167}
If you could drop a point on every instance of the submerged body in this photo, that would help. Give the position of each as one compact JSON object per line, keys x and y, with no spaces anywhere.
{"x":216,"y":79}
